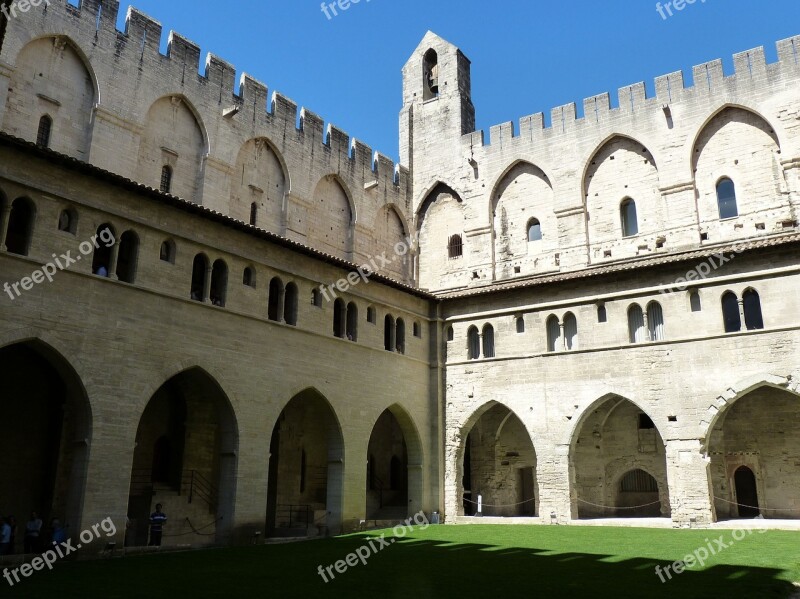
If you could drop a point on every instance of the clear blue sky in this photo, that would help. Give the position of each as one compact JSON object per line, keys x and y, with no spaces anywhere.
{"x":527,"y":55}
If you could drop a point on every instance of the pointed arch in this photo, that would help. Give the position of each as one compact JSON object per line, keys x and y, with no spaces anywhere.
{"x":309,"y":411}
{"x":440,"y":218}
{"x":173,"y":136}
{"x":615,"y":435}
{"x":504,"y":439}
{"x":53,"y":77}
{"x":333,"y":229}
{"x":261,"y":179}
{"x":692,"y":140}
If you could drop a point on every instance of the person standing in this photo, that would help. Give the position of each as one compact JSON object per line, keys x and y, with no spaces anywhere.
{"x":33,"y":531}
{"x":157,"y":521}
{"x":5,"y":537}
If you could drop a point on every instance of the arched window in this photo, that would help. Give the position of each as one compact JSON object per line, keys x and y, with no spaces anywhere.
{"x":455,"y":247}
{"x":68,"y":221}
{"x":219,"y":283}
{"x":316,"y":298}
{"x":636,"y":324}
{"x":449,"y":334}
{"x":388,"y":333}
{"x":570,"y":331}
{"x":372,"y":316}
{"x":127,"y":256}
{"x":167,"y":253}
{"x":400,"y":336}
{"x":638,"y":481}
{"x":488,"y":341}
{"x":166,"y":179}
{"x":275,"y":305}
{"x":290,"y":299}
{"x":253,"y":213}
{"x":630,"y":220}
{"x":553,"y":334}
{"x":694,"y":301}
{"x":339,"y":318}
{"x":20,"y":227}
{"x":730,"y":313}
{"x":520,"y":324}
{"x":101,"y":261}
{"x":534,"y":230}
{"x":753,"y":320}
{"x":602,"y":313}
{"x":473,"y":344}
{"x":430,"y":75}
{"x":352,"y":322}
{"x":44,"y":132}
{"x":199,"y":274}
{"x":655,"y":322}
{"x":726,"y":199}
{"x":249,"y":277}
{"x":417,"y":330}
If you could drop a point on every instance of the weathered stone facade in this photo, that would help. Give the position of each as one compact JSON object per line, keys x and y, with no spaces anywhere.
{"x":540,"y":352}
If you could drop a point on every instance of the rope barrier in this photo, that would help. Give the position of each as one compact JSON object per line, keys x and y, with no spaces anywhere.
{"x":508,"y":505}
{"x":196,"y":531}
{"x":755,"y":507}
{"x":616,"y":507}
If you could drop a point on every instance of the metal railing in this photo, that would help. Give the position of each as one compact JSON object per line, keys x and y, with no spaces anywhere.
{"x":293,"y":516}
{"x":194,"y":484}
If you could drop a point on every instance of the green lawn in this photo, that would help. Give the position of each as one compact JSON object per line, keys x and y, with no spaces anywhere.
{"x":447,"y":561}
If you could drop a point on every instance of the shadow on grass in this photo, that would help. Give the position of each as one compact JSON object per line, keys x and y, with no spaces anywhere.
{"x":411,"y":567}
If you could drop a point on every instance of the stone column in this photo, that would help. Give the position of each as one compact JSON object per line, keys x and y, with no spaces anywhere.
{"x":552,"y":475}
{"x":689,"y":483}
{"x":112,"y":261}
{"x":4,"y":218}
{"x":207,"y":285}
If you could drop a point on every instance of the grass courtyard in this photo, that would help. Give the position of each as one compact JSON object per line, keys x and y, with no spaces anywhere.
{"x":448,"y":561}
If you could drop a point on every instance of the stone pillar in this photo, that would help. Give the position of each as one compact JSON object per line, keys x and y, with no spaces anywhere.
{"x":689,"y":483}
{"x":207,"y":284}
{"x":552,"y":475}
{"x":415,"y":489}
{"x":112,"y":261}
{"x":4,"y":218}
{"x":452,"y":469}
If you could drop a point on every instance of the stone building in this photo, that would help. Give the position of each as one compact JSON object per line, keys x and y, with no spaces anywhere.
{"x":580,"y":318}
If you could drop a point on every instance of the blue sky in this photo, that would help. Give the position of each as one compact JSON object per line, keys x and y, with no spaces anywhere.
{"x":527,"y":55}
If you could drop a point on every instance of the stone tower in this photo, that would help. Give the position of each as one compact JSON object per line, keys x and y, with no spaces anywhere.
{"x":437,"y":108}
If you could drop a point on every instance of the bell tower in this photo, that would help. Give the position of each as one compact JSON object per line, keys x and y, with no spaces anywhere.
{"x":437,"y":108}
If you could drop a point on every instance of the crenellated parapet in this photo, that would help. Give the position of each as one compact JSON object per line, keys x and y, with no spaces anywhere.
{"x":131,"y":77}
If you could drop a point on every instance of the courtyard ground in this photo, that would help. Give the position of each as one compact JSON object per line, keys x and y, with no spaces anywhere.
{"x":450,"y":561}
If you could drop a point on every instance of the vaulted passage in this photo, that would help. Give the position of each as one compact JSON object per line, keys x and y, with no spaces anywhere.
{"x":44,"y":445}
{"x":306,"y":461}
{"x":394,"y":467}
{"x":499,"y":466}
{"x":618,"y":465}
{"x":755,"y":457}
{"x":185,"y":459}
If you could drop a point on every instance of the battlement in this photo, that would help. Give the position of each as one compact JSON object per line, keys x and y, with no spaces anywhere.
{"x":212,"y":90}
{"x":709,"y":84}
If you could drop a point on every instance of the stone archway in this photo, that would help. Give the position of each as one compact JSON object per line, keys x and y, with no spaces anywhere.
{"x":47,"y":430}
{"x":306,"y":469}
{"x":618,"y":464}
{"x":185,"y":459}
{"x":497,"y":462}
